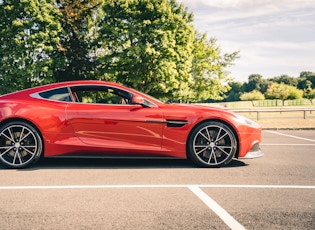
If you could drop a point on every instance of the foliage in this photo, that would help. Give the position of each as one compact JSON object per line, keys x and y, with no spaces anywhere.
{"x":304,"y":78}
{"x":286,"y":80}
{"x":236,"y":89}
{"x":152,"y":46}
{"x":252,"y":96}
{"x":147,"y":45}
{"x":256,"y":82}
{"x":305,"y":83}
{"x":209,"y":78}
{"x":75,"y":50}
{"x":283,"y":92}
{"x":28,"y":34}
{"x":309,"y":93}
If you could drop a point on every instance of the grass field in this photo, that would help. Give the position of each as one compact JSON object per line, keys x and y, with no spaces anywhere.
{"x":278,"y":119}
{"x":287,"y":124}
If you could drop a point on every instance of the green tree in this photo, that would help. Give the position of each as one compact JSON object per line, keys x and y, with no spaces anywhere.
{"x":151,"y":45}
{"x":255,"y":82}
{"x":28,"y":35}
{"x":286,"y":80}
{"x":252,"y":96}
{"x":74,"y":57}
{"x":147,"y":45}
{"x":283,"y":92}
{"x":304,"y":77}
{"x":208,"y":70}
{"x":309,"y":92}
{"x":236,"y":89}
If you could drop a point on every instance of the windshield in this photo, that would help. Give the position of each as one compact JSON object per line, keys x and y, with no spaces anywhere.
{"x":150,"y":98}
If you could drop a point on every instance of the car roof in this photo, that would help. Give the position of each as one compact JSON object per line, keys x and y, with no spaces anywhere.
{"x":27,"y":92}
{"x":61,"y":84}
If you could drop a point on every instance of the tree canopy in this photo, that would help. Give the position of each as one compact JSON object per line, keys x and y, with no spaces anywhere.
{"x":28,"y":36}
{"x":74,"y":51}
{"x":283,"y":92}
{"x":252,"y":96}
{"x":147,"y":45}
{"x":293,"y":87}
{"x":150,"y":45}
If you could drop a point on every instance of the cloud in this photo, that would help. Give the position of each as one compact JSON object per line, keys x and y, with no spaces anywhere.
{"x":248,"y":3}
{"x":274,"y":37}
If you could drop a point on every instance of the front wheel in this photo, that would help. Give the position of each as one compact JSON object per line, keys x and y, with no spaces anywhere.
{"x":20,"y":145}
{"x":211,"y":144}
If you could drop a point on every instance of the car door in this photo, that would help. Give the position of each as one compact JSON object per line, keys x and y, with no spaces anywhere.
{"x":108,"y":120}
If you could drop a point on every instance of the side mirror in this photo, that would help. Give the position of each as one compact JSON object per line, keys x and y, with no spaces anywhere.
{"x":137,"y":99}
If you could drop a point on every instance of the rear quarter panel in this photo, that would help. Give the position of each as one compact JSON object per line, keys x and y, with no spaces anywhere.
{"x":47,"y":116}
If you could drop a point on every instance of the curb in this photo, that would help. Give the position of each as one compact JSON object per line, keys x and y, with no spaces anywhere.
{"x":288,"y":128}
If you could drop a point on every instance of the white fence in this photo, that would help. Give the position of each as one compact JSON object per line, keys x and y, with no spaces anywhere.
{"x":277,"y":113}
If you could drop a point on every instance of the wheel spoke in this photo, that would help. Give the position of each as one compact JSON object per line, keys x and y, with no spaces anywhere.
{"x":218,"y":135}
{"x":19,"y":145}
{"x":9,"y":138}
{"x":32,"y":153}
{"x":208,"y":139}
{"x":14,"y":158}
{"x":5,"y":147}
{"x":18,"y":156}
{"x":201,"y":146}
{"x":214,"y":157}
{"x":200,"y":151}
{"x":9,"y":148}
{"x":21,"y":138}
{"x":214,"y":144}
{"x":11,"y":134}
{"x":21,"y":134}
{"x":220,"y":138}
{"x":209,"y":136}
{"x":226,"y":153}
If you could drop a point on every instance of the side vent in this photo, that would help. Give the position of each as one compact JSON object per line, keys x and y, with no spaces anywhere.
{"x":176,"y":123}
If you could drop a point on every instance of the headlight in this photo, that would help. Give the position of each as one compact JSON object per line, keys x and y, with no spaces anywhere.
{"x":246,"y":121}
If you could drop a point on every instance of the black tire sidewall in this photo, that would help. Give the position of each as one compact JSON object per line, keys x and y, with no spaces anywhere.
{"x":190,"y":151}
{"x":39,"y":140}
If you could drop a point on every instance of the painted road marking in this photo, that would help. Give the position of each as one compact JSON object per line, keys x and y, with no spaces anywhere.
{"x":287,"y":144}
{"x":216,"y":208}
{"x":287,"y":135}
{"x":155,"y":186}
{"x":196,"y":189}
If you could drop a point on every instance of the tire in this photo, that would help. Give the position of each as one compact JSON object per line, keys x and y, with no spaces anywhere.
{"x":211,"y":144}
{"x":20,"y":145}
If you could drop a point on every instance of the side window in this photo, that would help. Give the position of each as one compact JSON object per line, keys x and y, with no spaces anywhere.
{"x":61,"y":94}
{"x":100,"y":95}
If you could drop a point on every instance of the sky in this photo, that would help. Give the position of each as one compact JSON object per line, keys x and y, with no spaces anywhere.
{"x":274,"y":37}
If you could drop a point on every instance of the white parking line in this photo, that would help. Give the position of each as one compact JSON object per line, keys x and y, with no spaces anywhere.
{"x":287,"y":135}
{"x":216,"y":208}
{"x":154,"y":186}
{"x":287,"y":144}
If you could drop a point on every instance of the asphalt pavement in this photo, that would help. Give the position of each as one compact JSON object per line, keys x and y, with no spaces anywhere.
{"x":276,"y":191}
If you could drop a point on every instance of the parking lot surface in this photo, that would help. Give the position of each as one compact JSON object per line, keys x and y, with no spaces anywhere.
{"x":276,"y":191}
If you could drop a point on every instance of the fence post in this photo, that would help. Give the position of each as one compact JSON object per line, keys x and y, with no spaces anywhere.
{"x":258,"y":114}
{"x":304,"y":113}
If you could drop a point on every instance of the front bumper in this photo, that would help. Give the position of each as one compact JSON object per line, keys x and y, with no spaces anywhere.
{"x":254,"y":152}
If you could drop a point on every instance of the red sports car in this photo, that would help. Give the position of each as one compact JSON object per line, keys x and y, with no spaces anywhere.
{"x":96,"y":118}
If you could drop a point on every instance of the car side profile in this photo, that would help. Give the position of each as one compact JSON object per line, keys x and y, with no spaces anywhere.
{"x":106,"y":119}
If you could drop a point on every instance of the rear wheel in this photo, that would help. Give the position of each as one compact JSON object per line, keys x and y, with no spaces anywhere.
{"x":20,"y":145}
{"x":211,"y":144}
